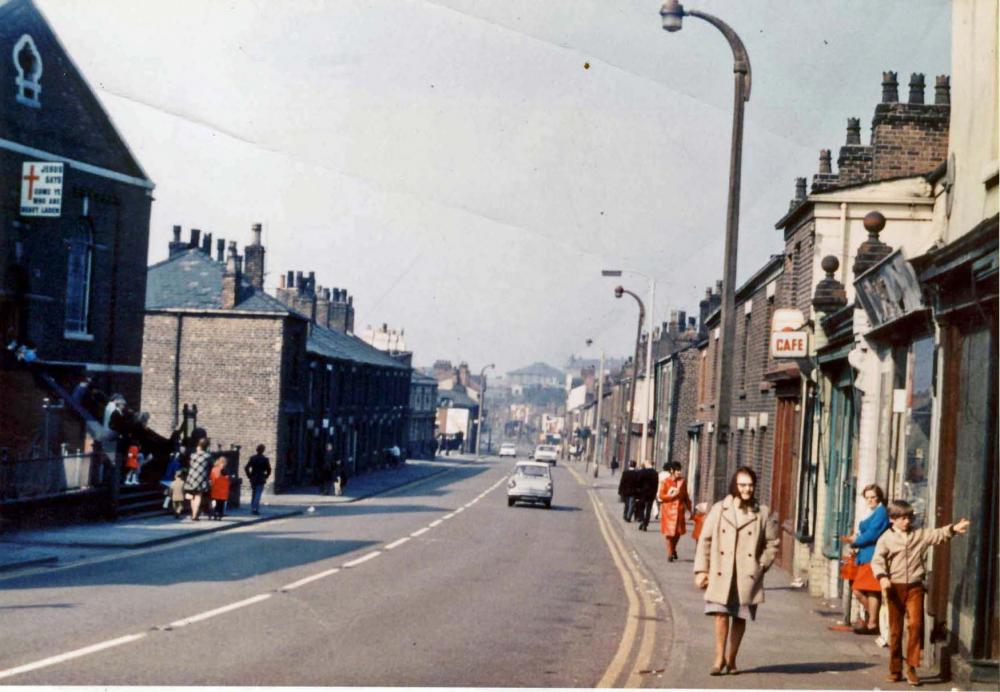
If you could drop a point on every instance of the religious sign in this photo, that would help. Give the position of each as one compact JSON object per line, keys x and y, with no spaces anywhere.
{"x":41,"y":188}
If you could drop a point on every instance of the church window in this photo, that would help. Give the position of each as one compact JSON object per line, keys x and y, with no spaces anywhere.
{"x":78,"y":278}
{"x":28,"y":64}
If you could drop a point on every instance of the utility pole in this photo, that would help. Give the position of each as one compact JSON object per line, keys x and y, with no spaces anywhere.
{"x":599,"y":424}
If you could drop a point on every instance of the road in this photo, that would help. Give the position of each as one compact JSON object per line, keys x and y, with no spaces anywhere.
{"x":437,"y":584}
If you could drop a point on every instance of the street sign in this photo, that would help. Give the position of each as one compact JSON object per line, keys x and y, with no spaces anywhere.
{"x":790,"y":344}
{"x":41,"y":188}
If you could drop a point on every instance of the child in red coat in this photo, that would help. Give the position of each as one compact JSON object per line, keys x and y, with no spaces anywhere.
{"x":219,"y":480}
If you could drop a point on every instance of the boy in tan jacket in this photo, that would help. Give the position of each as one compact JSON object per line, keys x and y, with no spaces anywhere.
{"x":898,"y":565}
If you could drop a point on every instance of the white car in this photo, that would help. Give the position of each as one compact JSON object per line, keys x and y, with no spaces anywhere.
{"x":549,"y":453}
{"x":508,"y":449}
{"x":530,"y":482}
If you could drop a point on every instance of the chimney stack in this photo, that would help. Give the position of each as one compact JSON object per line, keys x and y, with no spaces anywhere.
{"x":942,"y":90}
{"x":890,"y":88}
{"x":254,"y":254}
{"x":220,"y":250}
{"x":231,"y":279}
{"x":800,"y":189}
{"x":323,"y":306}
{"x":206,"y":245}
{"x":824,"y":162}
{"x":195,"y":239}
{"x":176,"y":245}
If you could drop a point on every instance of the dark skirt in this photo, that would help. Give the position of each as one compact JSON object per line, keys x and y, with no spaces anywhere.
{"x":732,"y":607}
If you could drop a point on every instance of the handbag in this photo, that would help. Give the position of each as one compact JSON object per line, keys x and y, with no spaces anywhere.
{"x":848,"y":567}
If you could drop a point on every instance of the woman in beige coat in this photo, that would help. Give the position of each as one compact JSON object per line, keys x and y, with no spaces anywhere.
{"x":738,"y":543}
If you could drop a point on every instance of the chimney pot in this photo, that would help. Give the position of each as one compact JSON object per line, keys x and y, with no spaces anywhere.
{"x":299,"y":282}
{"x":800,"y":189}
{"x":853,"y":131}
{"x":281,"y":281}
{"x":206,"y":244}
{"x":824,"y":161}
{"x":177,"y":229}
{"x":220,"y":249}
{"x":312,"y":282}
{"x":890,"y":88}
{"x":942,"y":90}
{"x":255,"y":232}
{"x":195,"y":238}
{"x":291,"y":279}
{"x":917,"y":88}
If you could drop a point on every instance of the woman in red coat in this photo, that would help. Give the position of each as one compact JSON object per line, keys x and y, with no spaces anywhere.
{"x":674,"y":505}
{"x":219,"y":482}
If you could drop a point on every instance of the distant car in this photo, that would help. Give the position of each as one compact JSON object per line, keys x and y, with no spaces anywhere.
{"x":530,"y":482}
{"x":508,"y":449}
{"x":549,"y":453}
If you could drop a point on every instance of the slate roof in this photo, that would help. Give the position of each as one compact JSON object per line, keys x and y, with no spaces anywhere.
{"x":330,"y":343}
{"x":542,"y":369}
{"x":192,"y":280}
{"x":459,"y":399}
{"x":421,"y":378}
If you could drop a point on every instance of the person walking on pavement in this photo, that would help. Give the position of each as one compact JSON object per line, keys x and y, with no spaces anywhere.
{"x":662,"y":477}
{"x":647,"y":483}
{"x":674,"y":505}
{"x":258,"y":470}
{"x":626,"y":491}
{"x":738,"y":544}
{"x":898,"y":564}
{"x":219,"y":480}
{"x":196,"y":484}
{"x":865,"y":586}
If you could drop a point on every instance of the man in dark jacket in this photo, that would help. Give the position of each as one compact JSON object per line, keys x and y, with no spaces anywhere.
{"x":646,"y":484}
{"x":626,"y":490}
{"x":258,"y":470}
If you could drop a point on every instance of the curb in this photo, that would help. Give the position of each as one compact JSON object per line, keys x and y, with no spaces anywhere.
{"x":34,"y":562}
{"x":374,"y":493}
{"x":163,"y":539}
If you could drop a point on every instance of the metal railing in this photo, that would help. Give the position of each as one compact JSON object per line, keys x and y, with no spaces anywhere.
{"x":27,"y":478}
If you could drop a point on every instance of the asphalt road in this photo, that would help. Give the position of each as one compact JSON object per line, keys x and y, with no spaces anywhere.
{"x":438,"y":584}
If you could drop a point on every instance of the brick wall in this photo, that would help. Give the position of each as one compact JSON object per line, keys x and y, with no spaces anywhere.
{"x":230,"y":366}
{"x":686,"y":363}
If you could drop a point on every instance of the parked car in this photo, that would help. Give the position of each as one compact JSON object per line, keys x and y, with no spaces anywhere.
{"x":549,"y":453}
{"x":530,"y":482}
{"x":508,"y":449}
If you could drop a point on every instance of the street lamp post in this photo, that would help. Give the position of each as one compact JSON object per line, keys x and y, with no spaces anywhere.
{"x":482,"y":405}
{"x":597,"y":421}
{"x":649,"y":356}
{"x":619,"y":292}
{"x":673,"y":14}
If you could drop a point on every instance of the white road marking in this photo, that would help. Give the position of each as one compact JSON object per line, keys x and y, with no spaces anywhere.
{"x":447,"y":516}
{"x":219,"y":611}
{"x":419,"y":532}
{"x":69,"y":655}
{"x":434,"y":523}
{"x":364,"y":558}
{"x":459,"y":510}
{"x":303,"y":582}
{"x":396,"y":544}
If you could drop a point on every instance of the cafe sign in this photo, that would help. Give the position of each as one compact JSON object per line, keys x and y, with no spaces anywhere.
{"x":788,"y":340}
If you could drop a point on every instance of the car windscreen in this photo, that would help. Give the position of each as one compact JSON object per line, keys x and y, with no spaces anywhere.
{"x":546,"y":448}
{"x":533,"y":471}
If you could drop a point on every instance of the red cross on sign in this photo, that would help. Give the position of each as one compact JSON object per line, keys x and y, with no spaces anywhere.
{"x":31,"y":178}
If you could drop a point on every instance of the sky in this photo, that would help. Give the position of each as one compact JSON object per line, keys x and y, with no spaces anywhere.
{"x":466,"y":168}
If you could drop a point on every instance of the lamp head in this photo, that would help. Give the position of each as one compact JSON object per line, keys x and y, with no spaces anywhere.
{"x":590,"y":342}
{"x":619,"y":291}
{"x":673,"y":15}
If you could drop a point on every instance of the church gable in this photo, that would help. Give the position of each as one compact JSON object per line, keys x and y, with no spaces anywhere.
{"x":46,"y":103}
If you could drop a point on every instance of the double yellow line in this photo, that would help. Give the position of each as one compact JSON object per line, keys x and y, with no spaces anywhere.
{"x":637,"y":642}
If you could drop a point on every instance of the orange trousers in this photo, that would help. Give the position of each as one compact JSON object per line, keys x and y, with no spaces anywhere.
{"x":905,"y":600}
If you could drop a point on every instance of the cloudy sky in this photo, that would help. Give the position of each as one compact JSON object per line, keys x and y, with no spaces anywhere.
{"x":467,"y":167}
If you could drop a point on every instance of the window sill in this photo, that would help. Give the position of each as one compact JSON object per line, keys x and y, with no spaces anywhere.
{"x":78,"y":336}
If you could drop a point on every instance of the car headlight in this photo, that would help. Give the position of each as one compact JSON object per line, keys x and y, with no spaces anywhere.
{"x":511,"y":483}
{"x":548,"y":486}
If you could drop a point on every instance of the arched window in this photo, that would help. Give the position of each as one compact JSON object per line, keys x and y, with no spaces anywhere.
{"x":28,"y":63}
{"x":79,"y":267}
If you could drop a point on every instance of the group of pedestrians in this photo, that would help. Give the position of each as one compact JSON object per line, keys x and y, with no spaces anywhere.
{"x":737,"y":542}
{"x":199,"y":480}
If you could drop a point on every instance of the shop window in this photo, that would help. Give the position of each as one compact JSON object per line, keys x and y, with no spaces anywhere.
{"x":917,"y":430}
{"x":805,"y":522}
{"x":842,"y":438}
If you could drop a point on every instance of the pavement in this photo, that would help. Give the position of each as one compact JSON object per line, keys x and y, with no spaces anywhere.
{"x":789,"y":646}
{"x":62,"y":544}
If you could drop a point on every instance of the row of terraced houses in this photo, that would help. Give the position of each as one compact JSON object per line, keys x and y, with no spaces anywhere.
{"x":192,"y":341}
{"x":886,"y":266}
